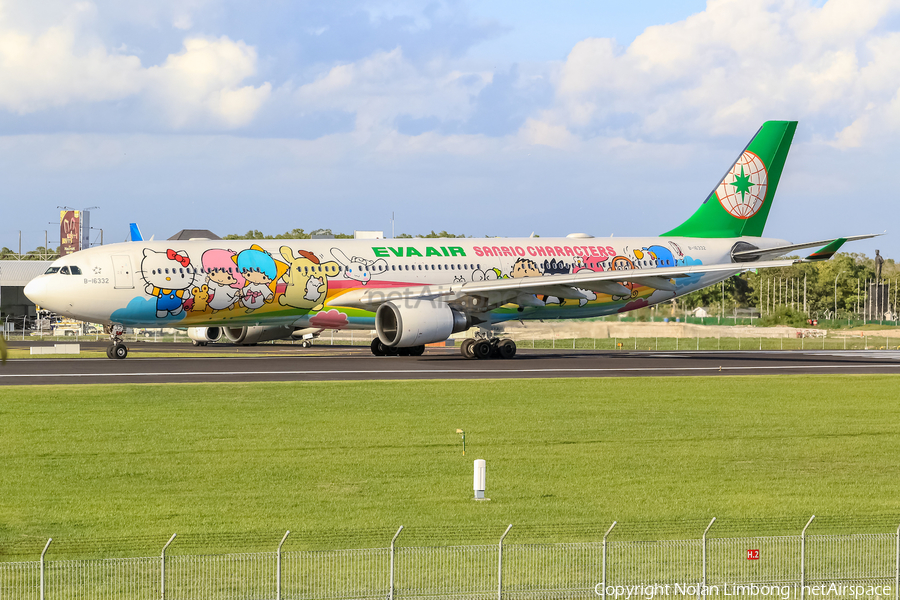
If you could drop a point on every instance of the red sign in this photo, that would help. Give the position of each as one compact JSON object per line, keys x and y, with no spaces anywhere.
{"x":752,"y":554}
{"x":69,"y":232}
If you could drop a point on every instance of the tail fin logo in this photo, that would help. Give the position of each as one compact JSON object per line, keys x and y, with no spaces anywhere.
{"x":743,"y":190}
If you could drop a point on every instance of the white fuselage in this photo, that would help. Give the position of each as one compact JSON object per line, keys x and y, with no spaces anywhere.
{"x":292,"y":282}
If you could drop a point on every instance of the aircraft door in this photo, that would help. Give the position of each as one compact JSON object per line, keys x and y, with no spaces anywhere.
{"x":124,"y":278}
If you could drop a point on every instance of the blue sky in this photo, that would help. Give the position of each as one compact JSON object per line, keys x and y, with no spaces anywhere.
{"x":484,"y":118}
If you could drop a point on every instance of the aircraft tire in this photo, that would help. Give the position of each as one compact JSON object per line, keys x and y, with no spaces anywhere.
{"x":417,"y":351}
{"x":482,"y":349}
{"x":391,"y":350}
{"x":466,"y":348}
{"x":109,"y":351}
{"x":507,"y":349}
{"x":378,"y":348}
{"x":120,"y":351}
{"x":404,"y":351}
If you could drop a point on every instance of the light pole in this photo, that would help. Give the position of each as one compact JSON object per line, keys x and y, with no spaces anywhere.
{"x":835,"y":292}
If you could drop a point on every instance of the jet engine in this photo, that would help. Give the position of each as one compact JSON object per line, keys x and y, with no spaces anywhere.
{"x":204,"y":335}
{"x":414,"y":323}
{"x":257,"y":333}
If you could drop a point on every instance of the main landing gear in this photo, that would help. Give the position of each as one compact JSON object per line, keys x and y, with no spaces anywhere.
{"x":117,"y":348}
{"x":485,"y":348}
{"x":379,"y":349}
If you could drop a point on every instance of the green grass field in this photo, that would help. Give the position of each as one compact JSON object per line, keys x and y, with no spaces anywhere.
{"x":237,"y":465}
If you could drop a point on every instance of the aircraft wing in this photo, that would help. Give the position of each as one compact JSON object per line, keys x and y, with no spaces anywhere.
{"x":479,"y":296}
{"x":767,"y":253}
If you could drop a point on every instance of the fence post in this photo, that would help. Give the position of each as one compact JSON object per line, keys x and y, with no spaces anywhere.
{"x":394,"y":539}
{"x":606,"y":535}
{"x":803,"y":558}
{"x":500,"y":565}
{"x":278,"y":567}
{"x":703,"y":588}
{"x":42,"y":566}
{"x":162,"y":568}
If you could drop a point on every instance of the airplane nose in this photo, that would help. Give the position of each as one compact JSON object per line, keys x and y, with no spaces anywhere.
{"x":36,"y":290}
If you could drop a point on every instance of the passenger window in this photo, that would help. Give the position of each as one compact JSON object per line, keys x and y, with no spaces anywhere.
{"x":451,"y":268}
{"x":64,"y":270}
{"x":407,"y":267}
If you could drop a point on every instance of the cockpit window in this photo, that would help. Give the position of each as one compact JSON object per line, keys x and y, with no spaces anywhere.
{"x":51,"y":270}
{"x":64,"y":270}
{"x":75,"y":270}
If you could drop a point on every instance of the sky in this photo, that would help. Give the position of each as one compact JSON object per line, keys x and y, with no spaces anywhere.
{"x":497,"y":118}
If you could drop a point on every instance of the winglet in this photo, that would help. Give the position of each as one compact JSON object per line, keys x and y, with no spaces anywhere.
{"x":828,"y":251}
{"x":136,"y":233}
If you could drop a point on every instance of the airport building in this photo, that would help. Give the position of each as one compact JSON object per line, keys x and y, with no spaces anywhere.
{"x":14,"y":275}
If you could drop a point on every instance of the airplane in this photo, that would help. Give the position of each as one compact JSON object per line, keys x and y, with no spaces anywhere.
{"x":419,"y":291}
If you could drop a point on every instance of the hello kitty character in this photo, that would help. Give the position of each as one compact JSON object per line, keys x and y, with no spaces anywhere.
{"x":169,"y":277}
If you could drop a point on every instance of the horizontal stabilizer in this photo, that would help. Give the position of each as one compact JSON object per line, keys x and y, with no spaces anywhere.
{"x":769,"y":253}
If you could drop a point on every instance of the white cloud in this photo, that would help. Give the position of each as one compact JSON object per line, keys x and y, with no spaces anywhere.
{"x":733,"y":65}
{"x":384,"y":85}
{"x":44,"y":71}
{"x":203,"y":85}
{"x":204,"y":81}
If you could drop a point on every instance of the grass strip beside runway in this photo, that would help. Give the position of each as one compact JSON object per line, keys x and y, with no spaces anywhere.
{"x":143,"y":461}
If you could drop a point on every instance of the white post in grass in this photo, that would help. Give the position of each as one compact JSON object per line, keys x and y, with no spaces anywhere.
{"x":605,"y":535}
{"x":278,"y":567}
{"x":162,"y":568}
{"x":704,"y":553}
{"x":803,"y":558}
{"x":500,"y":564}
{"x":394,"y":539}
{"x":42,"y":566}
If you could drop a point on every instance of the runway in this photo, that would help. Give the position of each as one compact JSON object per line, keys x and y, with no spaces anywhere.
{"x":337,"y":363}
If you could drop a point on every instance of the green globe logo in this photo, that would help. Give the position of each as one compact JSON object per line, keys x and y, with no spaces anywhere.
{"x":743,"y":190}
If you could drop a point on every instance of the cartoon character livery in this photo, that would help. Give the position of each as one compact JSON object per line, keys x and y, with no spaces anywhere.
{"x":224,"y":281}
{"x":417,"y":291}
{"x":306,"y":279}
{"x":359,"y":269}
{"x":169,"y":277}
{"x":260,"y":271}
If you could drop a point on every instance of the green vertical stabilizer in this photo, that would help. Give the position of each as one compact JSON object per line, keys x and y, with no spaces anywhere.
{"x":740,"y":203}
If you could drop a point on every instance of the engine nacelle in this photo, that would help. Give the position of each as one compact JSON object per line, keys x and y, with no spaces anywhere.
{"x":204,"y":335}
{"x":257,"y":333}
{"x":403,"y":324}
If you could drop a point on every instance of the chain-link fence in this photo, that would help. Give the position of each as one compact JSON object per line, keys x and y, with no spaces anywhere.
{"x":850,"y":566}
